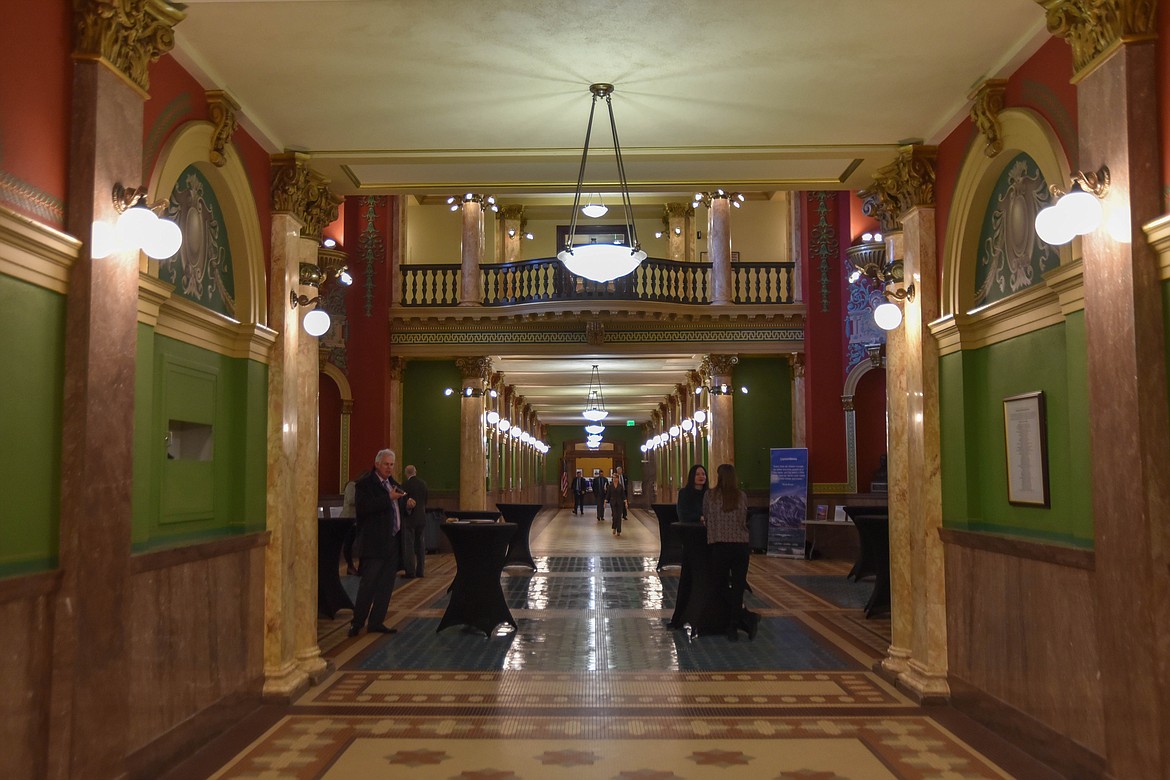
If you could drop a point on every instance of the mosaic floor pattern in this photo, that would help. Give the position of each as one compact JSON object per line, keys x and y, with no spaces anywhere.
{"x":592,"y":684}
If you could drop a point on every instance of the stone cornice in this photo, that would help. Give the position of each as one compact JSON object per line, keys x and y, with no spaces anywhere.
{"x":36,"y":254}
{"x":186,"y":321}
{"x":904,"y":184}
{"x":1095,"y":27}
{"x":126,"y":35}
{"x":985,"y":108}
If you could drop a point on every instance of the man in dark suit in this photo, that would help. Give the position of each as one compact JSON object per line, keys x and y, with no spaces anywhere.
{"x":379,"y":526}
{"x":580,"y":487}
{"x":600,"y":492}
{"x":414,"y":524}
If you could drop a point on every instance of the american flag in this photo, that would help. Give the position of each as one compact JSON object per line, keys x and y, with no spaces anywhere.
{"x":564,"y":481}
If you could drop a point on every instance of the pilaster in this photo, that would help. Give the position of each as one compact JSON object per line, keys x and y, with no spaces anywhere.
{"x":721,"y":425}
{"x":472,"y":492}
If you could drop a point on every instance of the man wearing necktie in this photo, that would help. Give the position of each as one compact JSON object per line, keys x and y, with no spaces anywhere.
{"x":379,"y":524}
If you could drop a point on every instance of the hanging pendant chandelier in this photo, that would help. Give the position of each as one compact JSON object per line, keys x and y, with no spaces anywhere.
{"x":595,"y":399}
{"x":602,"y":262}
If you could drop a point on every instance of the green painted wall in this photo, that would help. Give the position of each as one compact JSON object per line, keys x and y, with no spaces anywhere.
{"x":178,"y":500}
{"x":763,"y":417}
{"x":972,"y":387}
{"x":430,"y":422}
{"x":33,"y":320}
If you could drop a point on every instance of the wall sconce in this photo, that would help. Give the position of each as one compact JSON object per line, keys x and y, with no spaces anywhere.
{"x":700,"y":416}
{"x":487,"y":201}
{"x":316,"y":322}
{"x":720,"y":389}
{"x":868,"y":258}
{"x":660,"y":233}
{"x":527,"y":236}
{"x":138,"y":227}
{"x":735,"y":198}
{"x":1076,"y":212}
{"x":503,"y":425}
{"x":493,"y":417}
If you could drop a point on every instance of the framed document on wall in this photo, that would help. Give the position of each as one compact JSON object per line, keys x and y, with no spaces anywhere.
{"x":1026,"y":444}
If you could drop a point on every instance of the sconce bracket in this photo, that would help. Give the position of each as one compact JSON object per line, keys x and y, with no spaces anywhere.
{"x":899,"y":294}
{"x":301,"y":300}
{"x":126,"y":197}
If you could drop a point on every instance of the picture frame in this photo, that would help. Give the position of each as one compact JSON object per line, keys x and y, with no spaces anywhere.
{"x":822,"y":512}
{"x":1025,"y":428}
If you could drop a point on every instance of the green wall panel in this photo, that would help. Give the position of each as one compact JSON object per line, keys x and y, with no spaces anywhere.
{"x":30,"y":427}
{"x":763,"y":417}
{"x":973,"y":385}
{"x":181,"y":499}
{"x":430,"y":422}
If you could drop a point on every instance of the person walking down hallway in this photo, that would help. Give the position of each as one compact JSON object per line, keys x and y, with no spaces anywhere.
{"x":379,"y":527}
{"x":414,"y":524}
{"x":725,"y":515}
{"x":617,"y":502}
{"x":620,"y":477}
{"x":600,"y":491}
{"x":580,"y":488}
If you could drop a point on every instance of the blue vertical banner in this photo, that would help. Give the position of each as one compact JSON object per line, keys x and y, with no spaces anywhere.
{"x":788,"y":502}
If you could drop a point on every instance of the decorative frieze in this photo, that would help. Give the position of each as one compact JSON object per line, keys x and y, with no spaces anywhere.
{"x":1093,"y":27}
{"x":987,"y":103}
{"x":904,"y":184}
{"x":127,"y":35}
{"x":222,"y":109}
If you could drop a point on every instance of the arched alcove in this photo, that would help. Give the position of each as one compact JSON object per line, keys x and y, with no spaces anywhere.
{"x":335,"y":408}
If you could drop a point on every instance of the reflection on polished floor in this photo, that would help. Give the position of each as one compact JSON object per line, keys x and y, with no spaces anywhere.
{"x":594,"y":685}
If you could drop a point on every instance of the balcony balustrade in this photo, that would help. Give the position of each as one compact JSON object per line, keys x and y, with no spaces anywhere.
{"x":546,"y":280}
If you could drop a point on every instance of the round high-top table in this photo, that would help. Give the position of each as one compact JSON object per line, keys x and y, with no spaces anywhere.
{"x":670,"y":549}
{"x":477,"y":598}
{"x":331,"y":596}
{"x":519,"y":553}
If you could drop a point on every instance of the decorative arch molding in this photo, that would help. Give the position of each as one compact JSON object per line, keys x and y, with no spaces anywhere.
{"x":961,"y":326}
{"x":342,"y":381}
{"x":851,"y":381}
{"x":249,"y":337}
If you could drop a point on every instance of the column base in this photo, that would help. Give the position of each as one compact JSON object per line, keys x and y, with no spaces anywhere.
{"x":895,"y":663}
{"x":285,"y":683}
{"x":928,"y":686}
{"x":311,"y":663}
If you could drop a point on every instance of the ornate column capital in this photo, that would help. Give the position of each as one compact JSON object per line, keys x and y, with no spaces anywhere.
{"x":475,"y":368}
{"x":301,"y":191}
{"x":719,"y":365}
{"x":1093,"y":27}
{"x":988,"y":102}
{"x":127,"y":35}
{"x":677,"y":211}
{"x":797,"y":361}
{"x":397,"y":368}
{"x":513,"y":211}
{"x":902,"y":185}
{"x":222,"y":109}
{"x":321,"y":206}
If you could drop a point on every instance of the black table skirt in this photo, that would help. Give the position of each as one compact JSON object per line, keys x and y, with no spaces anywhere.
{"x":519,"y":553}
{"x":477,"y":598}
{"x":670,"y":549}
{"x":331,"y":597}
{"x":702,"y":607}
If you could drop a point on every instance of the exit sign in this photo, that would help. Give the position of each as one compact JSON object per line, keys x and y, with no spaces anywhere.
{"x":629,"y":423}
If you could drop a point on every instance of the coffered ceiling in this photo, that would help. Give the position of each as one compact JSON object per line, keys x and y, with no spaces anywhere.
{"x":433,"y":97}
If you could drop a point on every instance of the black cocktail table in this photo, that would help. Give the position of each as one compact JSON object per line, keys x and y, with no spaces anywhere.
{"x":703,"y":608}
{"x":670,"y":549}
{"x":331,"y":596}
{"x":522,"y":515}
{"x":477,"y":599}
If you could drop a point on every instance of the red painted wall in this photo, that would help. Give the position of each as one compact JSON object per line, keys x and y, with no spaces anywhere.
{"x":328,"y":436}
{"x":35,"y":94}
{"x":177,"y":98}
{"x":1042,"y":84}
{"x":869,"y":413}
{"x":826,"y":233}
{"x":368,"y":342}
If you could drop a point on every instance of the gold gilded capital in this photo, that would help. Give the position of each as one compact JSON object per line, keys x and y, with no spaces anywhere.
{"x":988,"y":102}
{"x":719,"y":365}
{"x":126,"y":35}
{"x":475,"y":368}
{"x":1094,"y":27}
{"x":904,"y":184}
{"x":321,"y":206}
{"x":290,"y":182}
{"x":222,"y":109}
{"x":397,"y":368}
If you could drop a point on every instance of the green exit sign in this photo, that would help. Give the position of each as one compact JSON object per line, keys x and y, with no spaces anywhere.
{"x":629,"y":423}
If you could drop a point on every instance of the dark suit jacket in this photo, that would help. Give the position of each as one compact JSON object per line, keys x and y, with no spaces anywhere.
{"x":417,"y":489}
{"x":600,"y":488}
{"x":375,"y":518}
{"x":580,"y":484}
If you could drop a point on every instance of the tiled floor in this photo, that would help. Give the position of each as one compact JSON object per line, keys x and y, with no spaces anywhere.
{"x":594,"y":685}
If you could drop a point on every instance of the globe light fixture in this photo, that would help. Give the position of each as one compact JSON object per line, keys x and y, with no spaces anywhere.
{"x":1076,"y":212}
{"x":887,"y":316}
{"x":602,"y":262}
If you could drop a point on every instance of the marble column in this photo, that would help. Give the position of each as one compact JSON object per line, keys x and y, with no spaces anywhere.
{"x":471,"y":253}
{"x":680,"y":231}
{"x":394,"y":413}
{"x":472,"y":491}
{"x":89,"y":665}
{"x":1117,"y":107}
{"x":903,"y":194}
{"x":721,"y":425}
{"x":510,"y":233}
{"x":719,"y":252}
{"x":796,"y":361}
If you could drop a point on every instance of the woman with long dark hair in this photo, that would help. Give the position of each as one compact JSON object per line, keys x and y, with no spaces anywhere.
{"x":690,"y":496}
{"x":725,"y":515}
